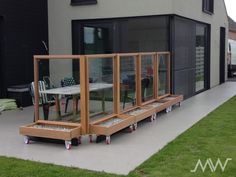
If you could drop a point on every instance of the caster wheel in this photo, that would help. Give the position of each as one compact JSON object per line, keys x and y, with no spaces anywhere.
{"x":131,"y":129}
{"x":26,"y":140}
{"x":79,"y":140}
{"x":167,"y":110}
{"x":154,"y":116}
{"x":90,"y":138}
{"x":68,"y":145}
{"x":135,"y":126}
{"x":108,"y":140}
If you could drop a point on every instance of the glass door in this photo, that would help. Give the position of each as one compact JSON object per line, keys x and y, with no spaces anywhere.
{"x":201,"y":49}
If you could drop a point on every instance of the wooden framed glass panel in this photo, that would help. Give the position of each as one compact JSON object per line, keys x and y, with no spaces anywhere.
{"x":163,"y":84}
{"x":58,"y":91}
{"x":101,"y":87}
{"x":128,"y":81}
{"x":147,"y":77}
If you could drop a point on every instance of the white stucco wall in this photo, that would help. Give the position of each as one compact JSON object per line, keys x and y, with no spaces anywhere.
{"x":60,"y":14}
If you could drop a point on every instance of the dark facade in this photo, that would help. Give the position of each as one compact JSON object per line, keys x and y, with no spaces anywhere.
{"x":23,"y":27}
{"x":188,"y":41}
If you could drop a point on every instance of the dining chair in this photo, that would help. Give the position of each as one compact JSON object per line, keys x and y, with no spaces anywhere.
{"x":69,"y":81}
{"x":45,"y":100}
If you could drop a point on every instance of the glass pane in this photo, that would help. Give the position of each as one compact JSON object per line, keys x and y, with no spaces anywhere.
{"x":147,"y":74}
{"x":200,"y":57}
{"x":233,"y":51}
{"x":140,"y":34}
{"x":59,"y":90}
{"x":97,"y":40}
{"x":127,"y":82}
{"x":163,"y":87}
{"x":100,"y":88}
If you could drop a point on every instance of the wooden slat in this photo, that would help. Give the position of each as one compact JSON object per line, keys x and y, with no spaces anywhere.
{"x":116,"y":83}
{"x":138,"y":80}
{"x":47,"y":122}
{"x":36,"y":89}
{"x":57,"y":56}
{"x":84,"y":95}
{"x":128,"y":54}
{"x":100,"y":56}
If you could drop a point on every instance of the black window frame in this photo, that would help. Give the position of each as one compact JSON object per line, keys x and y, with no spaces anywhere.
{"x":208,"y":6}
{"x":82,"y":2}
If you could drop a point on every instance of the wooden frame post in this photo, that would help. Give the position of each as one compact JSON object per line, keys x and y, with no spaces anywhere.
{"x":168,"y":73}
{"x":84,"y":95}
{"x":36,"y":88}
{"x":116,"y":76}
{"x":138,"y":80}
{"x":155,"y":77}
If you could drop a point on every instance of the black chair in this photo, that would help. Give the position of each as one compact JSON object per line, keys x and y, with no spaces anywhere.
{"x":129,"y":89}
{"x":69,"y":81}
{"x":44,"y":100}
{"x":145,"y":84}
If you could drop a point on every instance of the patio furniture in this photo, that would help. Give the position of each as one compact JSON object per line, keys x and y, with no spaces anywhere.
{"x":145,"y":84}
{"x":20,"y":93}
{"x":69,"y":81}
{"x":44,"y":100}
{"x":48,"y":82}
{"x":129,"y":89}
{"x":74,"y":90}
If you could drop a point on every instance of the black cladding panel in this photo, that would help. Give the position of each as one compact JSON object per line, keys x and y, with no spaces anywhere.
{"x":184,"y":56}
{"x":25,"y":25}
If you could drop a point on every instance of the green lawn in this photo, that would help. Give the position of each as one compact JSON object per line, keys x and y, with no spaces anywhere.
{"x":213,"y":137}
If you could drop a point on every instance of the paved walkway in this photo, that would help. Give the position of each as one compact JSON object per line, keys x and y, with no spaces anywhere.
{"x":127,"y":151}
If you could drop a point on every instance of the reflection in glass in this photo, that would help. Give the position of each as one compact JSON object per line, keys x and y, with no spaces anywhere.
{"x":128,"y":82}
{"x":163,"y":87}
{"x":200,"y":57}
{"x":97,"y":40}
{"x":100,"y":87}
{"x":59,"y":92}
{"x":147,"y":74}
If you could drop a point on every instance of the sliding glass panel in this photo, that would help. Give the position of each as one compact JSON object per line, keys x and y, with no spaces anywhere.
{"x":127,"y":82}
{"x":200,"y":57}
{"x":101,"y":96}
{"x":163,"y":71}
{"x":147,"y":75}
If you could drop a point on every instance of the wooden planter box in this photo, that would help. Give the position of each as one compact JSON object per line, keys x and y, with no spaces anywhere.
{"x":172,"y":100}
{"x":140,"y":113}
{"x":111,"y":125}
{"x":158,"y":106}
{"x":52,"y":130}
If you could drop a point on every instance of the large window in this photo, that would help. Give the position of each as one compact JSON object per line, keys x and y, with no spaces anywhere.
{"x":208,"y":6}
{"x":139,"y":34}
{"x":144,"y":34}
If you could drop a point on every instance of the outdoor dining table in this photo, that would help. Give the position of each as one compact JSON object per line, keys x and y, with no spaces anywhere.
{"x":75,"y":91}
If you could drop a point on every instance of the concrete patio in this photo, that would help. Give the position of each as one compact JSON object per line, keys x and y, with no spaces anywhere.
{"x":127,"y":150}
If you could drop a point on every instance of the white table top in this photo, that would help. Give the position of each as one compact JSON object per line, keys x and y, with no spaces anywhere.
{"x":75,"y":89}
